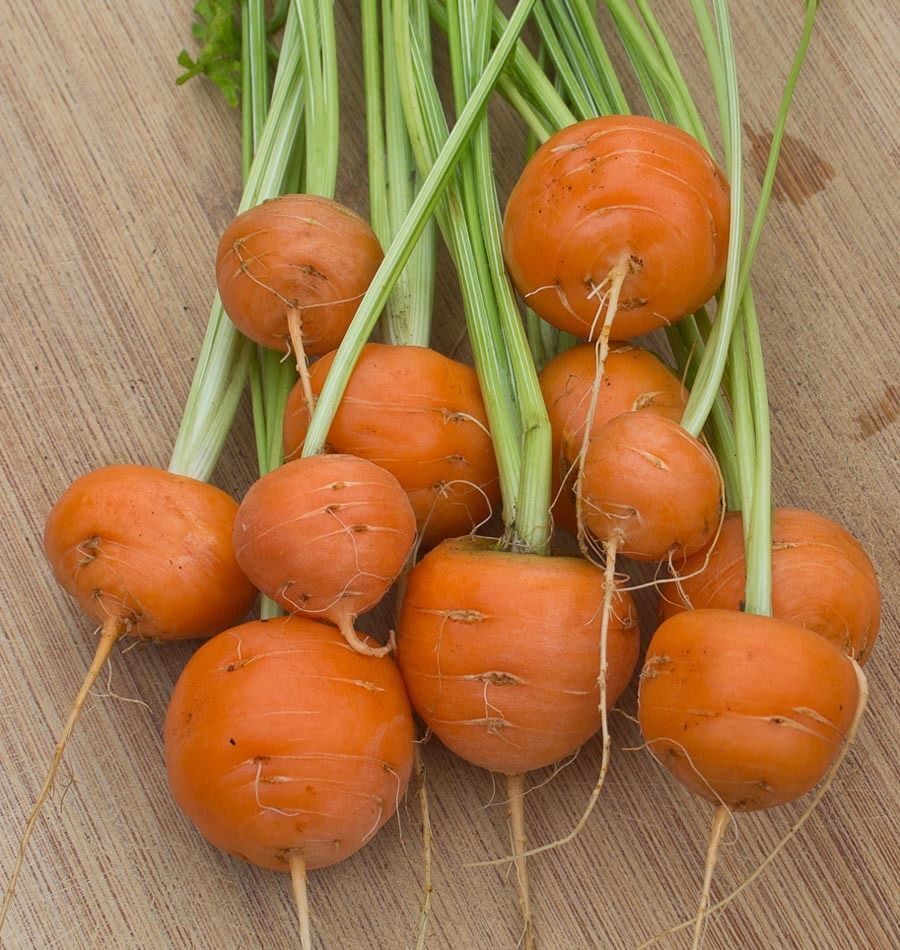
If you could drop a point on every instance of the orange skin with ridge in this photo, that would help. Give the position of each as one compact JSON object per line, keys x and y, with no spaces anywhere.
{"x":300,"y":252}
{"x":822,"y":579}
{"x":745,"y":711}
{"x":282,"y":739}
{"x":652,"y":486}
{"x":421,"y":417}
{"x":634,"y":379}
{"x":325,"y":536}
{"x":500,"y":652}
{"x":150,"y":547}
{"x":611,"y":188}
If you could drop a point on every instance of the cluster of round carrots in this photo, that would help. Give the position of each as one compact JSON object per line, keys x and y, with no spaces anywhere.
{"x":290,"y":738}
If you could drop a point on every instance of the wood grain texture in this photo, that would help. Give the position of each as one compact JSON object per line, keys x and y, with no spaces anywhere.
{"x":114,"y":188}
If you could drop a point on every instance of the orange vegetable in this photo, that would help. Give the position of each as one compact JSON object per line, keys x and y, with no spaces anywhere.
{"x":420,"y":416}
{"x":500,"y":652}
{"x":650,"y":487}
{"x":325,"y":537}
{"x":282,"y":740}
{"x":287,"y":748}
{"x":746,"y":711}
{"x":611,"y":190}
{"x":822,"y":579}
{"x":146,"y":554}
{"x":292,"y":271}
{"x":634,"y":380}
{"x":149,"y":549}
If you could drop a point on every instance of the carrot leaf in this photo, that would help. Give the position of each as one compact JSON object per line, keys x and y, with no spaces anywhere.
{"x":217,"y":30}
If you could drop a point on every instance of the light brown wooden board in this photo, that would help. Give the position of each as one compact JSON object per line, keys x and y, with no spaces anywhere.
{"x":115,"y":185}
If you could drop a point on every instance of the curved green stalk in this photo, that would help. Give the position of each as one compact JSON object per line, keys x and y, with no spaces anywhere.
{"x":531,"y":528}
{"x":398,"y":253}
{"x":428,"y":130}
{"x":522,"y":70}
{"x":224,"y":359}
{"x":758,"y":539}
{"x":712,"y":367}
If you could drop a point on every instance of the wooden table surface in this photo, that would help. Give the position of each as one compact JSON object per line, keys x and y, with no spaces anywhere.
{"x":115,"y":187}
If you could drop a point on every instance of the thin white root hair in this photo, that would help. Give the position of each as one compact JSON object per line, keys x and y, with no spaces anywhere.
{"x":863,"y":685}
{"x":295,"y":328}
{"x":721,"y":818}
{"x":519,"y":841}
{"x":110,"y":632}
{"x":608,"y":591}
{"x":616,"y":278}
{"x":427,"y":885}
{"x":301,"y":898}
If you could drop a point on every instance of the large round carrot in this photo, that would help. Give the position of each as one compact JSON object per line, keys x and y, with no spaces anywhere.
{"x":613,"y":191}
{"x":634,"y":380}
{"x":420,"y":416}
{"x":287,"y":748}
{"x":146,"y":554}
{"x":325,"y":537}
{"x":500,"y":652}
{"x":746,"y":711}
{"x":822,"y":579}
{"x":291,"y":271}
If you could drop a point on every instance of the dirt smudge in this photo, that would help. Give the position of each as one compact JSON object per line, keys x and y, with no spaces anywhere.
{"x":801,"y":172}
{"x":879,"y":415}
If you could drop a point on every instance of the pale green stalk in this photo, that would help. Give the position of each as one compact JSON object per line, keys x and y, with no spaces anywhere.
{"x":712,"y":367}
{"x":398,"y":253}
{"x":531,"y":528}
{"x":428,"y":130}
{"x":225,"y":356}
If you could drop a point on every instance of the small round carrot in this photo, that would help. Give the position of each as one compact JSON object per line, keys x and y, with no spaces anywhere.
{"x":822,"y":579}
{"x":420,"y":416}
{"x":149,"y":551}
{"x":325,"y":537}
{"x":287,"y":748}
{"x":292,"y":271}
{"x":610,"y":191}
{"x":634,"y":380}
{"x":651,"y":487}
{"x":497,"y":701}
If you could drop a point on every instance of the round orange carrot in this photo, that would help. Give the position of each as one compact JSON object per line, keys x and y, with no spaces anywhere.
{"x":291,"y":271}
{"x":611,"y":190}
{"x":420,"y":416}
{"x":634,"y":380}
{"x":650,"y":487}
{"x":500,"y":652}
{"x":822,"y":579}
{"x":746,"y":711}
{"x":281,"y":740}
{"x":146,"y":554}
{"x":325,"y":537}
{"x":150,"y":551}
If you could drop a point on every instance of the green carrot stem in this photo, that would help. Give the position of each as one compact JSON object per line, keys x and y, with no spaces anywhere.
{"x":758,"y":540}
{"x":398,"y":253}
{"x":225,"y":356}
{"x":812,"y":7}
{"x":428,"y":131}
{"x":531,"y":528}
{"x":523,"y":70}
{"x":712,"y":367}
{"x":583,"y":15}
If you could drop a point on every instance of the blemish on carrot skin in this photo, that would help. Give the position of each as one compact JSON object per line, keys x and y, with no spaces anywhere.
{"x":878,"y":415}
{"x":801,"y":172}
